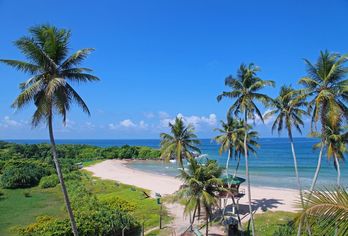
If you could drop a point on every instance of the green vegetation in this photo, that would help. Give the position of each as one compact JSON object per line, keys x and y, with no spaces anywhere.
{"x":180,"y":143}
{"x":92,"y":200}
{"x":201,"y":189}
{"x":246,"y":91}
{"x":276,"y":223}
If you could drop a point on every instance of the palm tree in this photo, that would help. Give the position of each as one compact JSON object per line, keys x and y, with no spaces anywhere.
{"x":180,"y":143}
{"x":228,"y":137}
{"x":231,"y":139}
{"x":51,"y":70}
{"x":336,"y":139}
{"x":252,"y":143}
{"x":200,"y":189}
{"x":245,"y":90}
{"x":326,"y":211}
{"x":327,"y":86}
{"x":289,"y":110}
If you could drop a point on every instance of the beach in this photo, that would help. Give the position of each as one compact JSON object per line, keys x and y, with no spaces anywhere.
{"x":263,"y":198}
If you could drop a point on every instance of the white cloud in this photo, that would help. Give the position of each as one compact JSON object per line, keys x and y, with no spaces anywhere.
{"x":163,"y":115}
{"x":127,"y":123}
{"x":267,"y":121}
{"x":196,"y":121}
{"x":149,"y":115}
{"x":7,"y":122}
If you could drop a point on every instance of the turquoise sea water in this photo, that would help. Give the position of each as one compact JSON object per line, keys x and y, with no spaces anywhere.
{"x":272,"y":167}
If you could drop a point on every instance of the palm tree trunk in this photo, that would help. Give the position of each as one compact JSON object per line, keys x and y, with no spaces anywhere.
{"x":237,"y":167}
{"x":247,"y":173}
{"x":338,"y":171}
{"x":60,"y":176}
{"x":206,"y":222}
{"x":295,"y":167}
{"x":228,"y":161}
{"x":193,"y":217}
{"x":314,"y":181}
{"x":297,"y":176}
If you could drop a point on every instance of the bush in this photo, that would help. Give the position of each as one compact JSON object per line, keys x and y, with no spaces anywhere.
{"x":27,"y":194}
{"x":93,"y":217}
{"x":115,"y":202}
{"x":49,"y":181}
{"x":23,"y":174}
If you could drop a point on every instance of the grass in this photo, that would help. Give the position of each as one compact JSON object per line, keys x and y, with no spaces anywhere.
{"x":19,"y":208}
{"x":146,"y":210}
{"x":266,"y":224}
{"x":92,"y":162}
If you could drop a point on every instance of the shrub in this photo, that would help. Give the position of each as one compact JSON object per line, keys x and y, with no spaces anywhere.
{"x":23,"y":174}
{"x":93,"y":217}
{"x":50,"y":181}
{"x":114,"y":202}
{"x":1,"y":194}
{"x":27,"y":194}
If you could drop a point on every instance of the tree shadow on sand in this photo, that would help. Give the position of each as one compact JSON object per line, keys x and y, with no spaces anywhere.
{"x":262,"y":204}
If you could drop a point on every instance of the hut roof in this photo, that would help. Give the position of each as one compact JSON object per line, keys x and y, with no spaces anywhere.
{"x":229,"y":179}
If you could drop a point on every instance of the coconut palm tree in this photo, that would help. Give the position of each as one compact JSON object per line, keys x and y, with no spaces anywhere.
{"x":231,"y":139}
{"x":228,"y":137}
{"x":326,"y":211}
{"x":200,"y":189}
{"x":180,"y":143}
{"x":336,"y":139}
{"x":245,"y":91}
{"x":49,"y":88}
{"x":289,"y":108}
{"x":327,"y":86}
{"x":252,"y":143}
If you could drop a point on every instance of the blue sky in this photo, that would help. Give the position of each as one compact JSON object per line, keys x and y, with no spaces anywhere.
{"x":157,"y":59}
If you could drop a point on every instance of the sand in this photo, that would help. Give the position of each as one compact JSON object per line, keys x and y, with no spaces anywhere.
{"x":263,"y":198}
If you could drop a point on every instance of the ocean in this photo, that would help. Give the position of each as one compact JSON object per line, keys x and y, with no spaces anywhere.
{"x":271,"y":167}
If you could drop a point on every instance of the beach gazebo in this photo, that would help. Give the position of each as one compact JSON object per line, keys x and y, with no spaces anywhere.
{"x":232,"y":184}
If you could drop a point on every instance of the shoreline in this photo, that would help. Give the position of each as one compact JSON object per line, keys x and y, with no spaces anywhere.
{"x":263,"y":198}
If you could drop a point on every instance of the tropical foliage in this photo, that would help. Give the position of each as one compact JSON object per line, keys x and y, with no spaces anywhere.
{"x":245,"y":92}
{"x":327,"y":210}
{"x":180,"y":143}
{"x":200,"y":189}
{"x":327,"y":87}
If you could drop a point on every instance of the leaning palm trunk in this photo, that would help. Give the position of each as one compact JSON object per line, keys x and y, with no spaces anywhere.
{"x":60,"y":177}
{"x":247,"y":174}
{"x":207,"y":223}
{"x":228,"y":160}
{"x":338,"y":171}
{"x":315,"y":178}
{"x":237,"y":167}
{"x":297,"y":176}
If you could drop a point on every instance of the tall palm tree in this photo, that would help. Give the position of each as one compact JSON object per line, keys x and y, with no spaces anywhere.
{"x":327,"y":86}
{"x":252,"y":143}
{"x":231,"y":139}
{"x":245,"y":90}
{"x":200,"y":189}
{"x":228,"y":137}
{"x":289,"y":108}
{"x":180,"y":143}
{"x":326,"y":211}
{"x":51,"y":70}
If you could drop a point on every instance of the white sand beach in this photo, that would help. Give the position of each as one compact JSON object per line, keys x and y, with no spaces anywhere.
{"x":264,"y":198}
